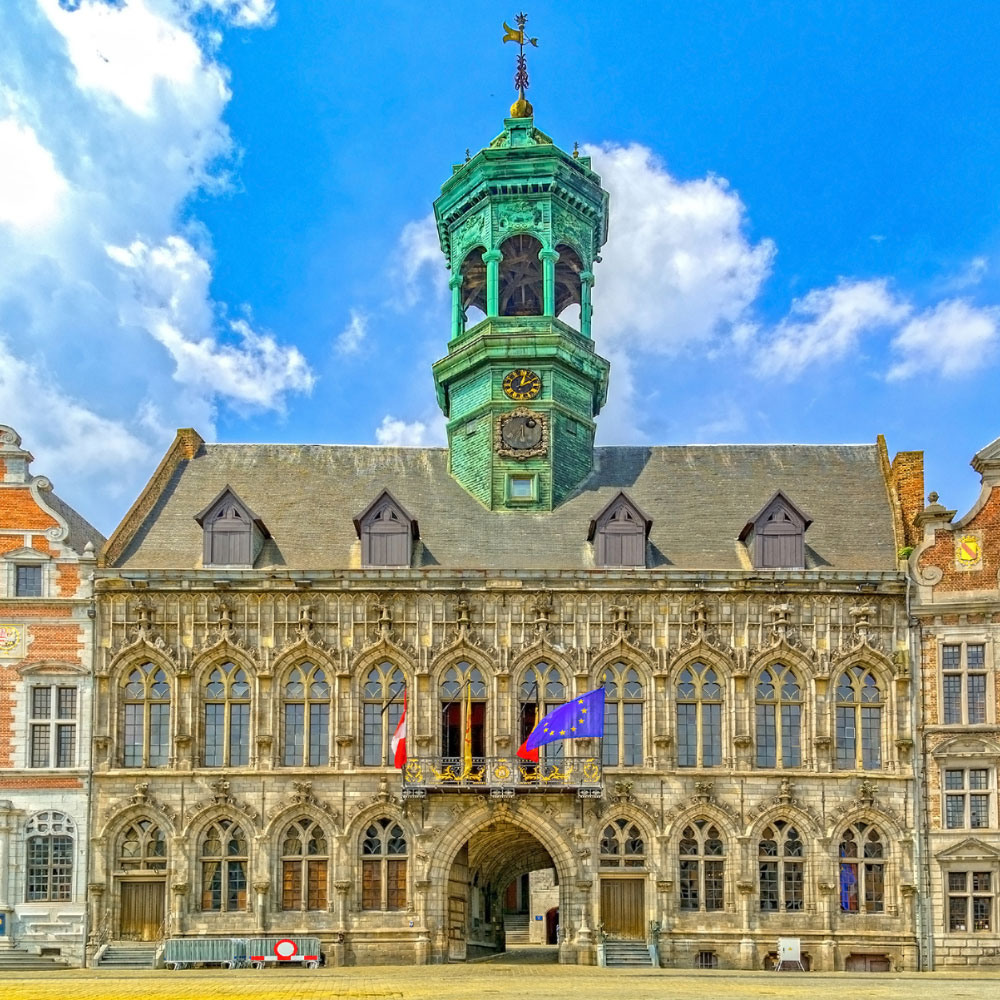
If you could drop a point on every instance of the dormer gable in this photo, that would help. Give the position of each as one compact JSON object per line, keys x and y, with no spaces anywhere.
{"x":387,"y":532}
{"x":619,"y":534}
{"x":775,"y":537}
{"x":233,"y":533}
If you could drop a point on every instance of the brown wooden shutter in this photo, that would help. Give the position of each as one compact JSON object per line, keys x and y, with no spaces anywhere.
{"x":371,"y":885}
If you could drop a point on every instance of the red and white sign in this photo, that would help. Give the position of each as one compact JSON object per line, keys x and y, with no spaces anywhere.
{"x":285,"y":950}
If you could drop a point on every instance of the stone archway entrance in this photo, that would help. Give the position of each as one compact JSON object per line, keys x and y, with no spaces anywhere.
{"x":480,"y":907}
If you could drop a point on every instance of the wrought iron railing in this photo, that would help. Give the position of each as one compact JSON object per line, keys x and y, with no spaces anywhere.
{"x":503,"y":776}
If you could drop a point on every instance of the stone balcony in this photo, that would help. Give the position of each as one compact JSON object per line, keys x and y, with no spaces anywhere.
{"x":503,"y":777}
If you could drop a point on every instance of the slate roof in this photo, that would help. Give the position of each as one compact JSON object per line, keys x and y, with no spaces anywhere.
{"x":698,"y":497}
{"x":81,"y":530}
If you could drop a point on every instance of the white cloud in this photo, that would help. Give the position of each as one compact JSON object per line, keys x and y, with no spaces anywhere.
{"x":171,"y":288}
{"x":417,"y":434}
{"x":953,"y":339}
{"x":31,"y":186}
{"x":827,"y":324}
{"x":115,"y":112}
{"x":419,"y":258}
{"x":350,"y":340}
{"x":678,"y":266}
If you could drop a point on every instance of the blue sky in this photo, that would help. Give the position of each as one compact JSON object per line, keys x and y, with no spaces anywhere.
{"x":216,"y":213}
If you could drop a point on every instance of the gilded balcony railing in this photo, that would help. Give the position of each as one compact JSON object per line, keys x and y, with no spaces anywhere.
{"x":502,"y":777}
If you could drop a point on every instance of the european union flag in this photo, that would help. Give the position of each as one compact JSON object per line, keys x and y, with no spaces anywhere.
{"x":583,"y":716}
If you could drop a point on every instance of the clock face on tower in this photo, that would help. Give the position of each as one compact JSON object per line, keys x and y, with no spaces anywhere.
{"x":522,"y":384}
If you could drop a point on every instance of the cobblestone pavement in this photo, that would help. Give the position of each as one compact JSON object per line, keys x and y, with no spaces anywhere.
{"x":514,"y":975}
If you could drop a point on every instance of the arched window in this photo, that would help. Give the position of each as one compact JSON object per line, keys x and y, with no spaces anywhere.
{"x":699,"y":717}
{"x":568,"y":269}
{"x":50,"y":857}
{"x":142,"y":846}
{"x":622,"y":846}
{"x":859,"y":711}
{"x":224,"y":858}
{"x":305,"y":859}
{"x":307,"y":716}
{"x":520,"y":277}
{"x":473,"y":271}
{"x":146,"y":717}
{"x":780,"y":867}
{"x":227,"y":717}
{"x":779,"y":717}
{"x":702,"y":867}
{"x":383,"y":867}
{"x":463,"y":703}
{"x":623,"y":705}
{"x":542,"y":690}
{"x":862,"y":870}
{"x":382,"y":707}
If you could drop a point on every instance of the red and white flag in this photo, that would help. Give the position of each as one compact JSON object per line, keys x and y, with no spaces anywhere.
{"x":399,"y":740}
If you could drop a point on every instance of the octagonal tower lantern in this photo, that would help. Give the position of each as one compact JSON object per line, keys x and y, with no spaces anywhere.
{"x":521,"y":225}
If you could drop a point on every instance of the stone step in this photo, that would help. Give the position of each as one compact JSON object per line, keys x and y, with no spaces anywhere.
{"x":22,"y":961}
{"x":631,"y":954}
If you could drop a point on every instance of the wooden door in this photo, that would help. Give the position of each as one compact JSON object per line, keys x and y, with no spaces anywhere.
{"x":867,"y":963}
{"x":142,"y":910}
{"x":623,"y":908}
{"x":456,"y":929}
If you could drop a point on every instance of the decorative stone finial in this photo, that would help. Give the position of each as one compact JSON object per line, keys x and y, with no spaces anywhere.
{"x":932,"y":497}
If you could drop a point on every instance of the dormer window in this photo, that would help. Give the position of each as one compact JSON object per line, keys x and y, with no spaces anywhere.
{"x":619,"y":534}
{"x":387,"y":532}
{"x":233,"y":533}
{"x":775,"y":538}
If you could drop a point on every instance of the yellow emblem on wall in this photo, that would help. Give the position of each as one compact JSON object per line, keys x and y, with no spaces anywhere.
{"x":968,"y":552}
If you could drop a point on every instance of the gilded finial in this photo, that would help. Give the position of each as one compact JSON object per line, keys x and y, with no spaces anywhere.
{"x":521,"y":108}
{"x":576,"y":151}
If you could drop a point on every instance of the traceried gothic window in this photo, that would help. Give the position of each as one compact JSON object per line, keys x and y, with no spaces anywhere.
{"x":963,"y":683}
{"x":49,"y":842}
{"x":142,"y":847}
{"x":463,"y":702}
{"x":541,"y":691}
{"x":702,"y":867}
{"x":52,"y":728}
{"x":146,"y":717}
{"x":224,"y":857}
{"x":779,"y":717}
{"x":305,"y":859}
{"x":967,"y":794}
{"x":780,"y":867}
{"x":859,"y":720}
{"x":622,"y":846}
{"x":227,"y":717}
{"x":382,"y":708}
{"x":971,"y":902}
{"x":306,"y":716}
{"x":699,"y":717}
{"x":862,"y":870}
{"x":383,"y":866}
{"x":623,"y":707}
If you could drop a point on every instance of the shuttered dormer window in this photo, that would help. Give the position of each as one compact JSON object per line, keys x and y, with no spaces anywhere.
{"x":775,"y":538}
{"x":233,"y":533}
{"x":386,"y":531}
{"x":619,"y":534}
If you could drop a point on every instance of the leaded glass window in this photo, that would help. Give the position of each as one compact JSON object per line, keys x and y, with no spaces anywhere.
{"x":49,"y":842}
{"x":624,"y":701}
{"x":142,"y":846}
{"x":382,"y":708}
{"x":305,"y":860}
{"x":306,"y":716}
{"x":227,"y":717}
{"x":542,"y":690}
{"x":699,"y":717}
{"x":224,"y":859}
{"x":702,"y":867}
{"x":963,"y":683}
{"x":779,"y":717}
{"x":622,"y":845}
{"x":859,"y":720}
{"x":463,"y":710}
{"x":862,"y":870}
{"x":146,"y":717}
{"x":780,"y":868}
{"x":383,"y":866}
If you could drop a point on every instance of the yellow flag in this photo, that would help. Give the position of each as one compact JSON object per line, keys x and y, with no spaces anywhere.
{"x":467,"y":751}
{"x":513,"y":34}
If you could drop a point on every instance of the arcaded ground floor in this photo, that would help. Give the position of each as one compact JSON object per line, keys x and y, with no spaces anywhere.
{"x":524,"y":972}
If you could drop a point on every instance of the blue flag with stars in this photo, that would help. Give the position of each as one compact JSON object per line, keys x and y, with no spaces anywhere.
{"x":583,"y":716}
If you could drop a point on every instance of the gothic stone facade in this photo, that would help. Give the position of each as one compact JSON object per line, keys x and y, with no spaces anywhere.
{"x":47,"y":558}
{"x":758,"y":776}
{"x":956,"y":604}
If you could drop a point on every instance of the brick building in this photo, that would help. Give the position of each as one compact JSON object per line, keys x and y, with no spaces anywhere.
{"x":47,"y":559}
{"x":262,"y":609}
{"x":956,"y":609}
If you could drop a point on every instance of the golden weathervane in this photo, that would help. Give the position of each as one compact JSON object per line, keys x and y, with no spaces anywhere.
{"x":521,"y":108}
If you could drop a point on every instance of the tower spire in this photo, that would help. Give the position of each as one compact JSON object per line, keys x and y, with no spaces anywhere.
{"x":521,"y":108}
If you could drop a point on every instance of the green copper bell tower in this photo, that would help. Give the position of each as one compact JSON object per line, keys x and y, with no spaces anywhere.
{"x":521,"y":224}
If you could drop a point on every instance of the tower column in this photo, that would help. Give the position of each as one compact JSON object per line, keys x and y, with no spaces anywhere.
{"x":492,"y":259}
{"x":586,"y":309}
{"x":548,"y":257}
{"x":457,"y":313}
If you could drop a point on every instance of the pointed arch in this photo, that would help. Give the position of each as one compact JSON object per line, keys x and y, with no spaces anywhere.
{"x":304,"y":850}
{"x":540,"y":687}
{"x":224,"y":685}
{"x":699,"y":693}
{"x":305,"y":690}
{"x":223,"y":847}
{"x":862,"y":714}
{"x":625,"y":690}
{"x":624,"y":840}
{"x":382,"y":692}
{"x":702,"y":850}
{"x":780,"y":695}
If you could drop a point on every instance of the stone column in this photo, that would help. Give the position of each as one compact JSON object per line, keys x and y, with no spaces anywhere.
{"x":548,"y":258}
{"x":584,"y":933}
{"x":7,"y":814}
{"x":423,"y":946}
{"x":261,"y":888}
{"x":747,"y":950}
{"x":492,"y":260}
{"x":179,"y":890}
{"x":826,"y":960}
{"x":95,"y":899}
{"x":586,"y":310}
{"x":457,"y":312}
{"x":343,"y":887}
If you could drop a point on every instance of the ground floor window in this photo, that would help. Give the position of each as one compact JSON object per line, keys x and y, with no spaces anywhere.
{"x":383,"y":867}
{"x":971,"y":901}
{"x":50,"y":857}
